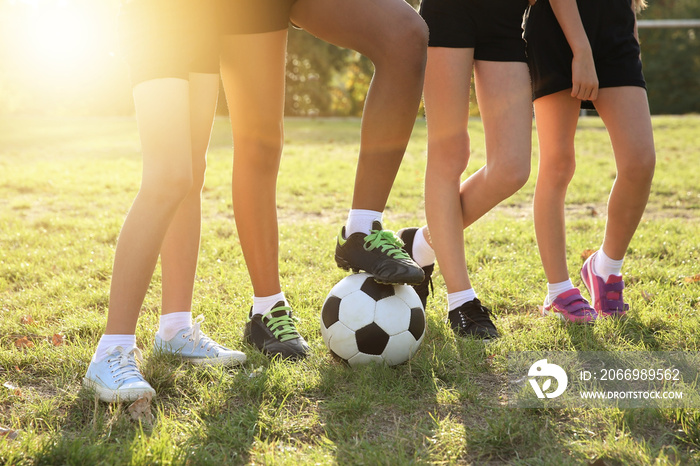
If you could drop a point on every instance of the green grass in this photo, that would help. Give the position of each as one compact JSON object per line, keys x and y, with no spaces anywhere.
{"x":66,"y":185}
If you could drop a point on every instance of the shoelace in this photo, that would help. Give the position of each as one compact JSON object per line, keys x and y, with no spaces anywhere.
{"x":282,"y":325}
{"x":124,"y":366}
{"x":388,"y":242}
{"x":196,"y":335}
{"x":479,"y":315}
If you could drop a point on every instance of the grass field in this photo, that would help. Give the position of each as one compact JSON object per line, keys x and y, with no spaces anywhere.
{"x":66,"y":185}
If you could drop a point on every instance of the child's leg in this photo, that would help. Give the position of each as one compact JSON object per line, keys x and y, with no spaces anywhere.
{"x":505,"y":102}
{"x":556,"y":117}
{"x":163,"y":114}
{"x":625,"y":112}
{"x":252,"y":68}
{"x":394,"y":37}
{"x":180,"y":248}
{"x":447,"y":87}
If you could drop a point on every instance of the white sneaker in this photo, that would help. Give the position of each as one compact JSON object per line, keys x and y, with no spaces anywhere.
{"x":194,"y":346}
{"x":117,"y":377}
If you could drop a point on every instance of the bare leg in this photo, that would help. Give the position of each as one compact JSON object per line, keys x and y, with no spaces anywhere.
{"x":394,"y":38}
{"x":557,"y":116}
{"x":505,"y":103}
{"x":163,"y":114}
{"x":180,"y":248}
{"x":625,"y":112}
{"x":252,"y":68}
{"x":447,"y":87}
{"x":504,"y":95}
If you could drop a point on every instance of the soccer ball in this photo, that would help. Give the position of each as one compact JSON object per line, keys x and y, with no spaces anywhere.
{"x":363,"y":321}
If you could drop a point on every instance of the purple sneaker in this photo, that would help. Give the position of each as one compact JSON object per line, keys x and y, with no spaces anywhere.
{"x":606,"y":295}
{"x":572,"y":307}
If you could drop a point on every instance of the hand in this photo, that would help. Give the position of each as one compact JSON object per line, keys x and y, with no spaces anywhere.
{"x":584,"y":78}
{"x":532,"y":2}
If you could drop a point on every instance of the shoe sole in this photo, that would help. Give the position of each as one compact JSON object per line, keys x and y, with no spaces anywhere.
{"x":563,"y":318}
{"x":116,"y":396}
{"x":343,"y":264}
{"x":231,"y":361}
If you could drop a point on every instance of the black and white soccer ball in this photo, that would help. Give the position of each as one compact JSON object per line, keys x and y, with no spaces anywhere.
{"x":363,"y":321}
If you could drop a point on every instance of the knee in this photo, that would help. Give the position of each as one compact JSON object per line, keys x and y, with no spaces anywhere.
{"x":557,"y":171}
{"x":405,"y":45}
{"x":167,"y":188}
{"x":639,"y":169}
{"x":448,"y":156}
{"x":259,"y":155}
{"x":511,"y":177}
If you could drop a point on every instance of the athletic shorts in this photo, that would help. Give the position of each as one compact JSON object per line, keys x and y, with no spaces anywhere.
{"x":169,"y":38}
{"x":255,"y":16}
{"x":609,"y":25}
{"x":493,"y":28}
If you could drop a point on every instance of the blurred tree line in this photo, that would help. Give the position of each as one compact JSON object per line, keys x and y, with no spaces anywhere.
{"x":322,"y":80}
{"x":671,"y":58}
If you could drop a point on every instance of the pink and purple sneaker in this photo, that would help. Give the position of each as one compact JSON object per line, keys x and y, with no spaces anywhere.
{"x":570,"y":306}
{"x":605,"y":294}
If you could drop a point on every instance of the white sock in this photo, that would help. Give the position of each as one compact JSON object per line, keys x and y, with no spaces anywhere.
{"x":108,"y":341}
{"x":604,"y":266}
{"x":263,"y":304}
{"x":172,"y":323}
{"x":454,"y":300}
{"x":555,"y":289}
{"x":423,"y":253}
{"x":360,"y":221}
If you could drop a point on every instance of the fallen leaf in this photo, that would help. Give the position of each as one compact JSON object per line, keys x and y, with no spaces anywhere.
{"x":13,"y":388}
{"x":27,"y":320}
{"x":140,"y":409}
{"x":8,"y":433}
{"x":647,"y":296}
{"x":23,"y":342}
{"x":587,"y":253}
{"x":693,"y":279}
{"x":57,"y":339}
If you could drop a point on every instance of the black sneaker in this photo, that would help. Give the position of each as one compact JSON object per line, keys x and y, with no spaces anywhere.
{"x":471,"y":319}
{"x":274,"y":333}
{"x":424,"y":288}
{"x":380,"y":254}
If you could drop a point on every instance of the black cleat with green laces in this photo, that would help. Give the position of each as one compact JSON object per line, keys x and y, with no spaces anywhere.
{"x":274,"y":333}
{"x":380,"y":254}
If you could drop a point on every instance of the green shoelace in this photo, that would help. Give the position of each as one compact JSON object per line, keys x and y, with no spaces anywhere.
{"x":387,"y":241}
{"x":281,"y":326}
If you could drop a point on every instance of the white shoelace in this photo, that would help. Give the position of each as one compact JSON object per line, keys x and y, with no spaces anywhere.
{"x":196,"y":335}
{"x":124,"y":366}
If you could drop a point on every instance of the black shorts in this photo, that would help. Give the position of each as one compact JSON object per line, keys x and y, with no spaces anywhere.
{"x":255,"y":16}
{"x":169,"y":38}
{"x":609,"y":25}
{"x":493,"y":28}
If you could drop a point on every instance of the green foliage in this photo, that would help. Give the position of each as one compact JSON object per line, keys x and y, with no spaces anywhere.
{"x":671,"y":58}
{"x":65,"y":186}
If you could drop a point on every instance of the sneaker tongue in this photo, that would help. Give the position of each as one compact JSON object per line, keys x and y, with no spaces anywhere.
{"x":377,"y":225}
{"x":279,"y":312}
